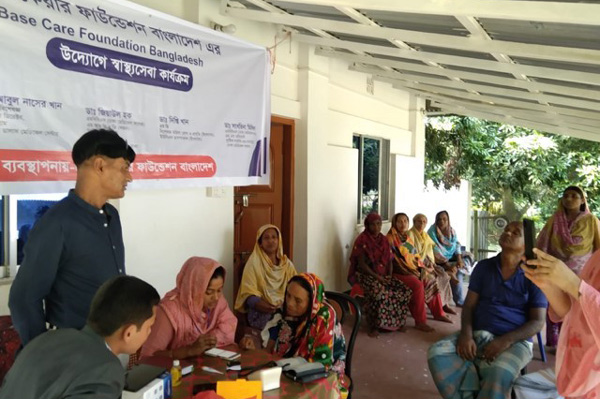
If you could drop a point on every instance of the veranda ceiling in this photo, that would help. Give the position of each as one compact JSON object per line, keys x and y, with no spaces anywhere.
{"x":528,"y":63}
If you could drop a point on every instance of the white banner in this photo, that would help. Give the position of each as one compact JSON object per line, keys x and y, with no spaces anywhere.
{"x":193,"y":103}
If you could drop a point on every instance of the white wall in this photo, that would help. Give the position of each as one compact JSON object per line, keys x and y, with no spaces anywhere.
{"x":4,"y":289}
{"x":413,"y":197}
{"x":163,"y":228}
{"x":330,"y":103}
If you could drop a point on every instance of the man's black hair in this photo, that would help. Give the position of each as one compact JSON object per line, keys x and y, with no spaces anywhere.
{"x":101,"y":142}
{"x":121,"y":301}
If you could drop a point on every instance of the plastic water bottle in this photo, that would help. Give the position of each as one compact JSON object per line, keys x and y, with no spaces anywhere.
{"x":176,"y":373}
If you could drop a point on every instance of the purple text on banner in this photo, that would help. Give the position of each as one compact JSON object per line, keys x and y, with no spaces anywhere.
{"x":79,"y":57}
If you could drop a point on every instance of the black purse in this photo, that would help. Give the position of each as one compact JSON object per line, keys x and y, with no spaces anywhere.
{"x":299,"y":370}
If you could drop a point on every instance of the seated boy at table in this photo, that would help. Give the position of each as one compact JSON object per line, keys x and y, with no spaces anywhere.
{"x":68,"y":363}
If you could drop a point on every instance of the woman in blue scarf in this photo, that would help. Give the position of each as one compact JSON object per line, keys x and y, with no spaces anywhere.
{"x":447,"y":253}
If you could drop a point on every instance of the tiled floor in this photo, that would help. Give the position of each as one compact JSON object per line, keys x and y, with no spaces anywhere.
{"x":395,"y":364}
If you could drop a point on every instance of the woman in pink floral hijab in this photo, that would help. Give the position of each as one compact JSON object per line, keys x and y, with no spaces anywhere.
{"x":194,"y":316}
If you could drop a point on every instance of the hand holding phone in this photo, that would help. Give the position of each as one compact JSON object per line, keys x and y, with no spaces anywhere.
{"x":529,"y":235}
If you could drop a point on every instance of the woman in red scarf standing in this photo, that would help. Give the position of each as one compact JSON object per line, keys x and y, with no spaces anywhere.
{"x":386,"y":299}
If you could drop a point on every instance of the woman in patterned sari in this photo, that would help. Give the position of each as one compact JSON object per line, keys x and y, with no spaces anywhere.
{"x":306,"y":326}
{"x":447,"y":253}
{"x":386,"y":298}
{"x":424,"y":246}
{"x":570,"y":235}
{"x":410,"y":269}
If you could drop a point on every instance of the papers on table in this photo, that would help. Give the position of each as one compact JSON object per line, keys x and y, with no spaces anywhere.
{"x":222,"y":353}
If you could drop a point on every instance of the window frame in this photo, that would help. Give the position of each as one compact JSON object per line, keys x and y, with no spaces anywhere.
{"x":8,"y":263}
{"x":384,"y":175}
{"x":5,"y":261}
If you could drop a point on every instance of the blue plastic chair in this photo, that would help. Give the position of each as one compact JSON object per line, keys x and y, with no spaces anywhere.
{"x":541,"y":346}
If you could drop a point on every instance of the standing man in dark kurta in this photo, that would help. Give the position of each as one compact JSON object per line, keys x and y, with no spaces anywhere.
{"x":78,"y":244}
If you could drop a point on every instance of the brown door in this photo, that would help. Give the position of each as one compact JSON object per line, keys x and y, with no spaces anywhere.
{"x":258,"y":205}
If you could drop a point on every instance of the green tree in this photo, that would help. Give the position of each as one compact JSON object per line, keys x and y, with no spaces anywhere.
{"x":513,"y":171}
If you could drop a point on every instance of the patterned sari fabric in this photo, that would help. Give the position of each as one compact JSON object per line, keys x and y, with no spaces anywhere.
{"x":446,"y":245}
{"x":375,"y":250}
{"x":386,"y":303}
{"x":573,"y":242}
{"x":312,"y":337}
{"x":408,"y":262}
{"x":424,"y":246}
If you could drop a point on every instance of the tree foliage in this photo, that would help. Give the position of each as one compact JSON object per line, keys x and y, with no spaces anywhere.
{"x":371,"y":155}
{"x":514,"y":171}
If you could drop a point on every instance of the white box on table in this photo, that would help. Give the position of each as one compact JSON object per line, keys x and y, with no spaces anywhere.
{"x":154,"y":390}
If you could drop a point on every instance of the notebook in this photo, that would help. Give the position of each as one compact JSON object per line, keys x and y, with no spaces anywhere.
{"x":222,"y":353}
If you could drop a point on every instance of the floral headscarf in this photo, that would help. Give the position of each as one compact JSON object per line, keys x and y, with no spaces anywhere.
{"x":312,"y":336}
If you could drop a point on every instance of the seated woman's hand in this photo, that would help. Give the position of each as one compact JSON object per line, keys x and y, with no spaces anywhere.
{"x":265,"y":307}
{"x":204,"y":343}
{"x":247,"y":343}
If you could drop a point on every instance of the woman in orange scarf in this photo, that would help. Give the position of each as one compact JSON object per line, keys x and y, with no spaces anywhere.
{"x":409,"y":269}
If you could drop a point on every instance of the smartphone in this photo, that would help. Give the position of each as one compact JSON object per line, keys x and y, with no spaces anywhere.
{"x":529,"y":234}
{"x":208,"y":386}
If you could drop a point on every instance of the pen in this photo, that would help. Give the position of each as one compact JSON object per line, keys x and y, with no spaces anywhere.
{"x":211,"y":370}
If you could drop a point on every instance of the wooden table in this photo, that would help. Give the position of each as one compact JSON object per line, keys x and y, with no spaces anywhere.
{"x":325,"y":388}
